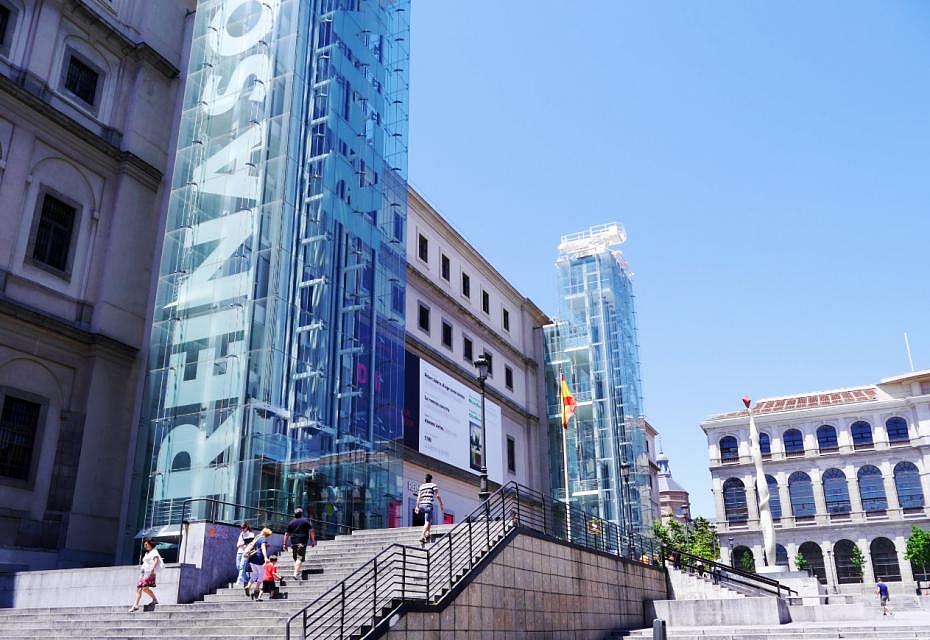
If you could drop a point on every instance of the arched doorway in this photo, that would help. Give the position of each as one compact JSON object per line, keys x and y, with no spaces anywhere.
{"x":781,"y":555}
{"x":846,"y":570}
{"x":743,"y":559}
{"x":885,"y":560}
{"x":814,"y":556}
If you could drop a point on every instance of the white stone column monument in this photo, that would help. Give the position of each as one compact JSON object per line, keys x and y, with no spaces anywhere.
{"x":766,"y":524}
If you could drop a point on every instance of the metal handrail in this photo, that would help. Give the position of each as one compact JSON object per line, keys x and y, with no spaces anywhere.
{"x":323,"y":530}
{"x":724,"y":572}
{"x":401,"y":574}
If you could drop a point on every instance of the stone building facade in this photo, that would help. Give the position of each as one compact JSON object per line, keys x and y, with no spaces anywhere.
{"x":459,"y":307}
{"x":846,"y":469}
{"x":88,"y":95}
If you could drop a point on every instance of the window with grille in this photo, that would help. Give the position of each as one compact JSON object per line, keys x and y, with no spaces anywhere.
{"x":897,"y":430}
{"x":734,"y":500}
{"x":862,"y":435}
{"x":872,"y":489}
{"x":81,"y":79}
{"x":801,"y":492}
{"x":52,"y":244}
{"x":19,"y":421}
{"x":836,"y":491}
{"x":729,"y":449}
{"x":794,"y":442}
{"x":826,"y":439}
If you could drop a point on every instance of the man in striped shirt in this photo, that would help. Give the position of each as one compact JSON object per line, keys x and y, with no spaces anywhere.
{"x":426,"y":495}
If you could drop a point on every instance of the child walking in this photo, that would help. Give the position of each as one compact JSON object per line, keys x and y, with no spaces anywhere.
{"x":269,"y":577}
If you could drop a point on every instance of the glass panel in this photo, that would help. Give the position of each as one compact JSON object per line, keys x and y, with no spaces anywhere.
{"x":897,"y":430}
{"x":872,"y":489}
{"x":774,"y":497}
{"x":793,"y":441}
{"x":765,"y":444}
{"x":862,"y":434}
{"x":802,"y":495}
{"x":734,"y":501}
{"x":826,"y":438}
{"x":907,"y":483}
{"x":836,"y":491}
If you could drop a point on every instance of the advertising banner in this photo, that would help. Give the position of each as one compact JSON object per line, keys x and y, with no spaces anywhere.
{"x":450,"y":423}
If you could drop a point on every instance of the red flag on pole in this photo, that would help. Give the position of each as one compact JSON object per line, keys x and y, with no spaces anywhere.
{"x":568,"y":404}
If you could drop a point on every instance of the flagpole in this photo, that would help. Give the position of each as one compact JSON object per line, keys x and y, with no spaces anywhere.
{"x":564,"y":424}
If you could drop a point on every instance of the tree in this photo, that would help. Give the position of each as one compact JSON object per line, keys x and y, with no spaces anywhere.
{"x":746,"y":562}
{"x":800,"y":561}
{"x":696,"y":538}
{"x":704,"y":540}
{"x":857,"y":559}
{"x":918,"y":548}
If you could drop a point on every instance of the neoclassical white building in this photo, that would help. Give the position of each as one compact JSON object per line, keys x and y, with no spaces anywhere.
{"x":845,"y":467}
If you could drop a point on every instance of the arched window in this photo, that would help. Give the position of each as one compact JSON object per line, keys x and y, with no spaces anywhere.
{"x":181,"y":462}
{"x":729,"y":449}
{"x":802,"y":495}
{"x":846,"y":571}
{"x":765,"y":445}
{"x":872,"y":489}
{"x":743,"y":559}
{"x":734,"y":500}
{"x":826,"y":439}
{"x":781,"y":555}
{"x":794,"y":442}
{"x":813,"y":554}
{"x":885,"y":560}
{"x":774,"y":498}
{"x":836,"y":491}
{"x":907,"y":483}
{"x":862,"y":435}
{"x":897,"y":430}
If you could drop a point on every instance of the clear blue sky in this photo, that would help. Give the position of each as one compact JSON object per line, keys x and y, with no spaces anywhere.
{"x":770,"y":161}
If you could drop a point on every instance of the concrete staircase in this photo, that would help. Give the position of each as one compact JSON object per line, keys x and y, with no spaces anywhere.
{"x":687,"y":585}
{"x":890,"y":630}
{"x":226,"y":614}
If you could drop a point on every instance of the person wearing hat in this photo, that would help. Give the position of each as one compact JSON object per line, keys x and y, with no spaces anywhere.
{"x":299,"y":533}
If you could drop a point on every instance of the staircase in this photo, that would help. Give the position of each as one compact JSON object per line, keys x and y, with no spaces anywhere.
{"x":693,"y":585}
{"x":226,"y":614}
{"x":887,"y":629}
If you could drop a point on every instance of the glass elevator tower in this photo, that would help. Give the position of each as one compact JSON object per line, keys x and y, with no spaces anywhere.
{"x":275,"y":376}
{"x":594,"y":345}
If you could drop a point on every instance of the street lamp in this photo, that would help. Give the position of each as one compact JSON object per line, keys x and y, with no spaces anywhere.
{"x":483,"y":365}
{"x":730,"y":549}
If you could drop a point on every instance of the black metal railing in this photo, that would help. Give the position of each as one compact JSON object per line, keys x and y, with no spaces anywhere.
{"x":402,"y":574}
{"x":725,"y":574}
{"x":218,"y":511}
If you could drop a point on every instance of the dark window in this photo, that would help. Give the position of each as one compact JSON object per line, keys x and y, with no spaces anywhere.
{"x":398,"y":227}
{"x":734,"y":500}
{"x":872,"y":489}
{"x":897,"y":430}
{"x":765,"y":445}
{"x":774,"y":498}
{"x":826,"y":439}
{"x":423,"y":318}
{"x":801,"y":492}
{"x":53,"y":234}
{"x":511,"y":455}
{"x":885,"y":560}
{"x":81,"y":80}
{"x":814,"y":556}
{"x":467,"y":350}
{"x":466,"y":285}
{"x":836,"y":491}
{"x":781,"y":556}
{"x":19,"y":422}
{"x":5,"y":16}
{"x":445,"y":268}
{"x":907,"y":484}
{"x":846,"y":571}
{"x":446,"y":334}
{"x":743,"y":558}
{"x":506,"y":315}
{"x":423,"y":248}
{"x":508,"y":377}
{"x":485,"y":302}
{"x":397,"y":299}
{"x":490,"y":359}
{"x":729,"y":449}
{"x":794,"y":442}
{"x":862,"y":435}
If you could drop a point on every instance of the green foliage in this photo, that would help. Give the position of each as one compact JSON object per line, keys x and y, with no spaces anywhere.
{"x":800,"y":561}
{"x":746,"y":562}
{"x":918,"y":547}
{"x":857,"y":559}
{"x":696,"y":538}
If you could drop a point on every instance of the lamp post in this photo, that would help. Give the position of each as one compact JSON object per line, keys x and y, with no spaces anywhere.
{"x":483,"y":364}
{"x":730,"y":550}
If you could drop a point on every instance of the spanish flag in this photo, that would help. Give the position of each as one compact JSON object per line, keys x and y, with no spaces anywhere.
{"x":568,"y":404}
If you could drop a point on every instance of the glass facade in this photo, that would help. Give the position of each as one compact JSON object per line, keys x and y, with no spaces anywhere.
{"x":276,"y":369}
{"x":594,"y":345}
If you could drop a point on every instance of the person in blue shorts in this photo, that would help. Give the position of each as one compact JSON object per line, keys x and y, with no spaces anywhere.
{"x":882,"y":590}
{"x":427,"y":494}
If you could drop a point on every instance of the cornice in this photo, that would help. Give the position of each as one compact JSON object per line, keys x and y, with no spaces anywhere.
{"x":469,"y":318}
{"x":812,"y":415}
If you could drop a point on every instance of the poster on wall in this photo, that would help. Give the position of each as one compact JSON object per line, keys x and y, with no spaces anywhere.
{"x":450,"y":423}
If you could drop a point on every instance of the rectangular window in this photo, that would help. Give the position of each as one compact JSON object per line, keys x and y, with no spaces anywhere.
{"x":423,"y":318}
{"x":19,"y":421}
{"x":397,"y":299}
{"x":511,"y":455}
{"x":398,"y":227}
{"x":485,"y":302}
{"x":5,"y":15}
{"x":506,"y":320}
{"x":52,"y":244}
{"x":467,"y":349}
{"x":446,"y":334}
{"x":445,"y":268}
{"x":423,"y":248}
{"x":466,"y":285}
{"x":508,"y":377}
{"x":490,"y":359}
{"x":82,"y":80}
